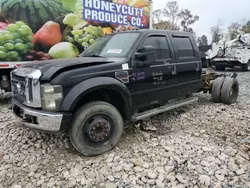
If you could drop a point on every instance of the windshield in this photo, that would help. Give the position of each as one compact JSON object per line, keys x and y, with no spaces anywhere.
{"x":117,"y":45}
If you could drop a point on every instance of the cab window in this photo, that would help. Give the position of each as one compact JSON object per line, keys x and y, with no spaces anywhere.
{"x":161,"y":46}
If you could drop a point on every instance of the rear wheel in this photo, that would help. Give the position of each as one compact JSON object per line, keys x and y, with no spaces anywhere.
{"x":97,"y":128}
{"x":230,"y":91}
{"x":216,"y":89}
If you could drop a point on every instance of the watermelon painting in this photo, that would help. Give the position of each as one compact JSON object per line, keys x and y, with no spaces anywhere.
{"x":34,"y":13}
{"x":29,"y":29}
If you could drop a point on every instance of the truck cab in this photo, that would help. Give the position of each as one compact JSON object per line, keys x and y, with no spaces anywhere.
{"x":125,"y":76}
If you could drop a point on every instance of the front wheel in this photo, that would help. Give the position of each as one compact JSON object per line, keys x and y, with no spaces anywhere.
{"x":97,"y":128}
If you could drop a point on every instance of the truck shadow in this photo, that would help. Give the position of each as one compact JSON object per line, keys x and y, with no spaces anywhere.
{"x":163,"y":124}
{"x":5,"y":101}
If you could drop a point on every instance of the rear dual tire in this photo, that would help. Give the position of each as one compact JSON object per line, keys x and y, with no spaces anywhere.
{"x":229,"y":91}
{"x":216,"y":89}
{"x":225,"y":90}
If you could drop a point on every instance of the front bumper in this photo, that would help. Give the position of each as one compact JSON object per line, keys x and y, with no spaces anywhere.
{"x":40,"y":120}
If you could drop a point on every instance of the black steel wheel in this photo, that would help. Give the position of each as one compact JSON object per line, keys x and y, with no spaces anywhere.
{"x":97,"y":128}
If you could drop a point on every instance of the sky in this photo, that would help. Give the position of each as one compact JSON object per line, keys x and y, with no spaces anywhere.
{"x":210,"y":11}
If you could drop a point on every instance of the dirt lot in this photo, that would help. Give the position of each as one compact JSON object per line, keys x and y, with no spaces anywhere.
{"x":202,"y":145}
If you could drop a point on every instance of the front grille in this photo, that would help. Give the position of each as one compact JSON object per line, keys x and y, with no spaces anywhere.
{"x":26,"y":86}
{"x":18,"y":88}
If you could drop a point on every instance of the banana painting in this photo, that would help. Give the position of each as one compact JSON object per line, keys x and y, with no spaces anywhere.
{"x":138,"y":3}
{"x":133,"y":3}
{"x":142,"y":4}
{"x":147,"y":11}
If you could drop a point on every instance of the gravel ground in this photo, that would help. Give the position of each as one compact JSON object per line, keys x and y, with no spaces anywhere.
{"x":202,"y":145}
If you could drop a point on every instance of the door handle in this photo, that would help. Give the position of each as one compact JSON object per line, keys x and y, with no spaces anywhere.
{"x":166,"y":62}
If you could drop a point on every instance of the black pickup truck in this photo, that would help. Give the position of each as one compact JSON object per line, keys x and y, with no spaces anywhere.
{"x":122,"y":77}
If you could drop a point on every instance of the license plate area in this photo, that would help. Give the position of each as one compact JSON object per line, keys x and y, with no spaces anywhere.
{"x":25,"y":117}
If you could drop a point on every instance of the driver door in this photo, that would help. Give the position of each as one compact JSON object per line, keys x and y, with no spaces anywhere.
{"x":149,"y":85}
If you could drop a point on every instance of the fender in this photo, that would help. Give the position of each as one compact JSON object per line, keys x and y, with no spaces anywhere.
{"x":83,"y":88}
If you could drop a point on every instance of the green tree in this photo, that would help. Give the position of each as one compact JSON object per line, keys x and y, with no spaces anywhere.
{"x":157,"y":16}
{"x":187,"y":19}
{"x":234,"y":30}
{"x":177,"y":18}
{"x":216,"y":32}
{"x":202,"y":41}
{"x":246,"y":27}
{"x":171,"y":12}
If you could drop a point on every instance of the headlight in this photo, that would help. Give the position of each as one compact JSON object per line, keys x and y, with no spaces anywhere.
{"x":52,"y":96}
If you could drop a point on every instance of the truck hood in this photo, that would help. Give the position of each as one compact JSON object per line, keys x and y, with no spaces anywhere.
{"x":67,"y":62}
{"x":50,"y":67}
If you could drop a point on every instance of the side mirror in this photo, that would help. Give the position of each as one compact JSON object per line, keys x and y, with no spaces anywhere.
{"x":146,"y":56}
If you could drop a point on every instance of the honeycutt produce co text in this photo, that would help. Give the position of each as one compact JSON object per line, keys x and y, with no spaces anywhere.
{"x":42,"y":29}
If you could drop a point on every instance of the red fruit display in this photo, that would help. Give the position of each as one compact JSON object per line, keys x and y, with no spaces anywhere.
{"x":49,"y":34}
{"x":3,"y":25}
{"x":37,"y":56}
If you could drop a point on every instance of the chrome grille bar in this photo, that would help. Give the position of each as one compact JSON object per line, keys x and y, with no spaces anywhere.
{"x":30,"y":77}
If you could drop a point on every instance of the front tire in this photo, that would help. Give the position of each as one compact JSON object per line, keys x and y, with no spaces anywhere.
{"x":97,"y":128}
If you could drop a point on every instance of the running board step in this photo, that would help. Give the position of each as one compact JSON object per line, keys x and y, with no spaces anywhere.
{"x":164,"y":108}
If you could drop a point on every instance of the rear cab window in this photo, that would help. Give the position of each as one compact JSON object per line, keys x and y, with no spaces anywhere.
{"x":184,"y":48}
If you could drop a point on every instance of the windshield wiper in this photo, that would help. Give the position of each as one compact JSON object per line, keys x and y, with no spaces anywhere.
{"x":94,"y":55}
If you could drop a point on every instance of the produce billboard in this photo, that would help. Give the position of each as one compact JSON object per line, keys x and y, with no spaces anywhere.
{"x":45,"y":29}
